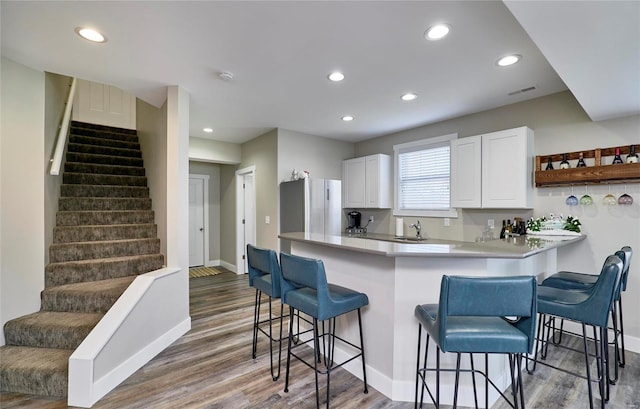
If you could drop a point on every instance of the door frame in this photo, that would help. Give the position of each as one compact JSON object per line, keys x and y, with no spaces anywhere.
{"x":240,"y":174}
{"x":205,"y":209}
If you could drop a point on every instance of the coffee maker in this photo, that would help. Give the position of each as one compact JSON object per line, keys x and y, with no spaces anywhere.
{"x":354,"y":219}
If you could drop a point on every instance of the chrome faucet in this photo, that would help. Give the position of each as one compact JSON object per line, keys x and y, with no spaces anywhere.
{"x":418,"y":228}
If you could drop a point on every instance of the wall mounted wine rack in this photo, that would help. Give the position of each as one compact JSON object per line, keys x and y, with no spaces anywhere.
{"x":600,"y":172}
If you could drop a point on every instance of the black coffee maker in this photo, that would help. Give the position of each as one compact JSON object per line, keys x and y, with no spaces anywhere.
{"x":354,"y":219}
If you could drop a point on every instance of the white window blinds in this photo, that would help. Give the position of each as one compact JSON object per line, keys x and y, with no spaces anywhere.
{"x":423,"y":178}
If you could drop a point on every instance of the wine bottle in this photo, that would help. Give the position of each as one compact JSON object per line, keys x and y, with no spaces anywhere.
{"x":549,"y":164}
{"x":632,"y":157}
{"x":504,"y":227}
{"x":581,"y":163}
{"x":565,"y":163}
{"x":617,"y":160}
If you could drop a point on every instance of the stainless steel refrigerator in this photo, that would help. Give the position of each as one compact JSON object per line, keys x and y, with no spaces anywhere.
{"x":311,"y":205}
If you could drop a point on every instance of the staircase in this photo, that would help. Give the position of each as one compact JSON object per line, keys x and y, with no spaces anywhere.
{"x":104,"y":236}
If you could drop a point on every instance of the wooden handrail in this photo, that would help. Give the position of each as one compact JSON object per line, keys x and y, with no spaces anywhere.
{"x":61,"y":141}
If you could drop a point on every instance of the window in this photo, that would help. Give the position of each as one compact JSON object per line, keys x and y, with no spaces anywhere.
{"x":422,"y":172}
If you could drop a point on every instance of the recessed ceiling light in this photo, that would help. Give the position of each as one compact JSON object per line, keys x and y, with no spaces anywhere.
{"x":208,"y":130}
{"x":347,"y":118}
{"x":336,"y":76}
{"x":90,"y":34}
{"x":508,"y":60}
{"x":436,"y":32}
{"x":409,"y":96}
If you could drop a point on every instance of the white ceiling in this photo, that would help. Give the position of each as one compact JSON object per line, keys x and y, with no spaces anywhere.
{"x":281,"y":52}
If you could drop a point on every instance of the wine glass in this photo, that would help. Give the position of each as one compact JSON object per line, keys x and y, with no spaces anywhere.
{"x":609,"y":199}
{"x":625,"y":199}
{"x":572,"y":200}
{"x":586,"y":200}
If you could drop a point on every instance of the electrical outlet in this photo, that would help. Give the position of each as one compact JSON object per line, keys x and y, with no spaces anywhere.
{"x":447,"y":222}
{"x":370,"y":219}
{"x":267,"y":220}
{"x":490,"y":223}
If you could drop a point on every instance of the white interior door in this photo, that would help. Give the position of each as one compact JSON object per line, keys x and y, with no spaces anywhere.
{"x":246,"y":216}
{"x":196,"y":222}
{"x":104,"y":105}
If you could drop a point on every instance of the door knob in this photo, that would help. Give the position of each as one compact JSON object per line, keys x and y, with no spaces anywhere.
{"x":201,"y":228}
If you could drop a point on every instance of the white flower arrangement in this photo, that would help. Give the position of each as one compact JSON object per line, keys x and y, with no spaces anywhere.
{"x":553,"y":223}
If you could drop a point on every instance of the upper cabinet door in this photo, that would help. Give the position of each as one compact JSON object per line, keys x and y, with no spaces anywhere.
{"x":353,"y":182}
{"x":507,"y":166}
{"x":366,"y":182}
{"x":466,"y":172}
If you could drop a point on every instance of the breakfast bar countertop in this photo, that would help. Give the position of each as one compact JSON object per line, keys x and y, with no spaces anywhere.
{"x":387,"y":245}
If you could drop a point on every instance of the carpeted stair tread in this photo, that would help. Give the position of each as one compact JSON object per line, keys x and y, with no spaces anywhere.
{"x":34,"y":371}
{"x":103,"y":191}
{"x":77,"y":218}
{"x":103,"y":139}
{"x":90,"y":297}
{"x":50,"y":329}
{"x":70,"y":234}
{"x":103,"y":203}
{"x":100,"y":269}
{"x":103,"y":150}
{"x":78,"y":167}
{"x":102,"y":249}
{"x":103,"y":159}
{"x":100,"y":179}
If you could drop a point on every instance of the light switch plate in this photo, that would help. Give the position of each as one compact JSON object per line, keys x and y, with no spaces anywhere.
{"x":447,"y":222}
{"x":267,"y":220}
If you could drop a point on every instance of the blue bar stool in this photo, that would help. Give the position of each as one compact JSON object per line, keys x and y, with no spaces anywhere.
{"x":587,"y":308}
{"x":305,"y":289}
{"x":470,"y":318}
{"x":569,"y":280}
{"x":265,"y":277}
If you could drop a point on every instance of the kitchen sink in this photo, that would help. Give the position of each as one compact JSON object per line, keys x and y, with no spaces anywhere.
{"x":394,"y":239}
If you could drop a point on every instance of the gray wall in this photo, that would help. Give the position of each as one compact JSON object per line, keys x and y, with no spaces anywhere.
{"x":560,"y":125}
{"x":151,"y":123}
{"x":22,"y":190}
{"x":213,"y":171}
{"x":228,"y":214}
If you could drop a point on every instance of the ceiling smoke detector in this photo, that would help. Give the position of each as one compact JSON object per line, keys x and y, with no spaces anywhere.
{"x":225,"y":76}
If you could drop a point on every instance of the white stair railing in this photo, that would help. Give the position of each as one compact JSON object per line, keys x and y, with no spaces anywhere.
{"x":61,"y":141}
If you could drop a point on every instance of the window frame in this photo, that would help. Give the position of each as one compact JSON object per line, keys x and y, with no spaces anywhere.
{"x":423,"y":144}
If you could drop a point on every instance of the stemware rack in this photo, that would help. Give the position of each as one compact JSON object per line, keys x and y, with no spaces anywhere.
{"x":596,"y":174}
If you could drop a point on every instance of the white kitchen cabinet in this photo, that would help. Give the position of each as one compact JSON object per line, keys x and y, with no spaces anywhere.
{"x":493,"y":170}
{"x":366,"y":182}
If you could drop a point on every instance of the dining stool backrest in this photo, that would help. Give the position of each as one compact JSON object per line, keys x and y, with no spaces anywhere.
{"x":625,"y":269}
{"x":261,"y":262}
{"x":595,"y":310}
{"x":513,"y":297}
{"x":303,"y":272}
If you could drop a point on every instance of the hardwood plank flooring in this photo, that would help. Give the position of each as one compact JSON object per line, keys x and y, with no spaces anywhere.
{"x":211,"y":367}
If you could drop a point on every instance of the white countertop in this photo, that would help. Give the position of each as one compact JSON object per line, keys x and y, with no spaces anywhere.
{"x":514,"y":247}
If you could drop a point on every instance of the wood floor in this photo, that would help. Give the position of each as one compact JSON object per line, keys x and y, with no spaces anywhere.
{"x":211,"y":367}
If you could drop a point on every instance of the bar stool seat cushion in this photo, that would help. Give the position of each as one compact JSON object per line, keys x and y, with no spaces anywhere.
{"x":339,"y":299}
{"x":473,"y":334}
{"x":569,"y":280}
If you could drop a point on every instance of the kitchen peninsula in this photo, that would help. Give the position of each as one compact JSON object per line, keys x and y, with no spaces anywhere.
{"x":397,"y":276}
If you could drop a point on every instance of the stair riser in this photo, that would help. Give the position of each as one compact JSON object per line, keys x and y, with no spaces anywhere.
{"x":89,"y":303}
{"x":98,"y":140}
{"x":108,"y":180}
{"x":102,"y":128}
{"x":103,"y":159}
{"x":104,"y":217}
{"x":50,"y":336}
{"x":107,"y":203}
{"x":77,"y":272}
{"x":101,"y":150}
{"x":85,"y":251}
{"x":103,"y":191}
{"x":70,"y":234}
{"x":74,"y":167}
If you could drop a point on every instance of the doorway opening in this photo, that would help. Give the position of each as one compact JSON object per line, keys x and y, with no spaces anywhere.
{"x":198,"y":220}
{"x":246,"y":215}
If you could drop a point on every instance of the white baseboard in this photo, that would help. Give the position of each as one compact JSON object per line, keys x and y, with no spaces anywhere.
{"x":228,"y":266}
{"x":212,"y":263}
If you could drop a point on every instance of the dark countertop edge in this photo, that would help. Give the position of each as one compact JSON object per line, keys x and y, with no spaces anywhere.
{"x":487,"y":253}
